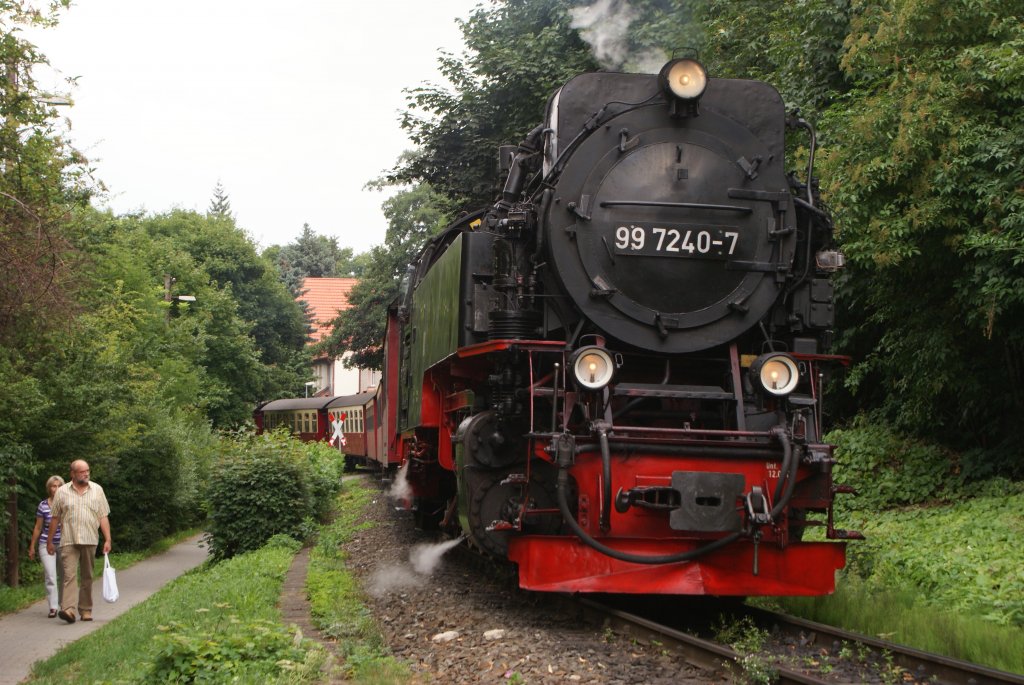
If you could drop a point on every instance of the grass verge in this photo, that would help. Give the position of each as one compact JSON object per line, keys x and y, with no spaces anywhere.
{"x":217,"y":623}
{"x":32,"y":590}
{"x":337,"y":603}
{"x":898,"y":615}
{"x":943,"y":578}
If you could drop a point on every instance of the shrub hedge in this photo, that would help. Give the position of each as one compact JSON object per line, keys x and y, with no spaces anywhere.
{"x":266,"y":485}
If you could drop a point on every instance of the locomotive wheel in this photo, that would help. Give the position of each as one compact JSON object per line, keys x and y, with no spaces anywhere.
{"x":488,"y":445}
{"x":492,"y":501}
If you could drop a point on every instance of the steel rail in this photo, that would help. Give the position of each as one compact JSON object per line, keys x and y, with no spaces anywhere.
{"x":699,"y":652}
{"x":936,"y":668}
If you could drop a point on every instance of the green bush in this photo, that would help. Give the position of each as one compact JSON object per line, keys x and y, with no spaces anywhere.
{"x":141,"y":483}
{"x":889,"y":469}
{"x":231,"y":652}
{"x":265,"y":485}
{"x":962,"y":557}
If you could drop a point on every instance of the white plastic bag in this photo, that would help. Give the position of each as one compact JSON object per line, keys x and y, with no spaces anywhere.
{"x":110,"y":592}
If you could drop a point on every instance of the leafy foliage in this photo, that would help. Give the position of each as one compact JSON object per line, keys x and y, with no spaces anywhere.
{"x":230,"y":260}
{"x":413,"y":215}
{"x":748,"y":641}
{"x":214,"y":601}
{"x":268,"y":485}
{"x":313,"y":255}
{"x":41,"y":179}
{"x":922,"y":169}
{"x":517,"y":53}
{"x":962,"y":557}
{"x":242,"y":339}
{"x":795,"y":46}
{"x":238,"y":651}
{"x":889,"y":469}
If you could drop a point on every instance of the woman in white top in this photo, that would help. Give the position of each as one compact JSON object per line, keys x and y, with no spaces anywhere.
{"x":40,"y":534}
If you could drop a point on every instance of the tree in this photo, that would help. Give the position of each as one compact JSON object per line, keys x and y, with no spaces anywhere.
{"x":219,"y":254}
{"x":924,"y":171}
{"x":518,"y":52}
{"x":311,"y":255}
{"x":413,"y":214}
{"x":795,"y":46}
{"x":219,"y":204}
{"x":41,"y":179}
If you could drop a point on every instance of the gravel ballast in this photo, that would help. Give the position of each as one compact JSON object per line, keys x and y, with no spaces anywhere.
{"x":454,"y":619}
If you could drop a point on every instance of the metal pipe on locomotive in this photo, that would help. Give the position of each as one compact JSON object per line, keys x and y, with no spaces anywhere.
{"x":613,"y":376}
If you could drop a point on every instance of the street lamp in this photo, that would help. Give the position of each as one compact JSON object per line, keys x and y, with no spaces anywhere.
{"x":309,"y":384}
{"x":170,"y":280}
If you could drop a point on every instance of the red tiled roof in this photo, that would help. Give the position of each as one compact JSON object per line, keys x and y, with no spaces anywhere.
{"x":325,"y":297}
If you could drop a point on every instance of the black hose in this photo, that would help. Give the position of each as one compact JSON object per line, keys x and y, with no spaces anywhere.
{"x":787,"y":458}
{"x":563,"y":505}
{"x":790,"y":465}
{"x":794,"y":464}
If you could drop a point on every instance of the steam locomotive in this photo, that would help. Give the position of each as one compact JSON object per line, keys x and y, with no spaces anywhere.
{"x":613,"y":376}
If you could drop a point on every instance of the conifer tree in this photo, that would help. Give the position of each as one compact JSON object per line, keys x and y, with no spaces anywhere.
{"x":219,"y":205}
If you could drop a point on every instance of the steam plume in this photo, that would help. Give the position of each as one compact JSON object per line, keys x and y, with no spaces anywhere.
{"x":423,"y":561}
{"x":605,"y":26}
{"x":400,"y":489}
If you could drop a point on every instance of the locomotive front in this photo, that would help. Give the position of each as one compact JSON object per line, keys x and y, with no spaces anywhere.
{"x":671,"y":224}
{"x":640,"y":409}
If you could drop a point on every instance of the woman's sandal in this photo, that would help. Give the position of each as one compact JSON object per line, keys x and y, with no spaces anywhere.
{"x":53,"y":613}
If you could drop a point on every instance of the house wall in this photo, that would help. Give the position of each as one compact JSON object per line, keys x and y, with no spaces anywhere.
{"x":345,"y":381}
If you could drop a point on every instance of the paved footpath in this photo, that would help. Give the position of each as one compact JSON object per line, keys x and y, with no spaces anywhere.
{"x":28,"y":635}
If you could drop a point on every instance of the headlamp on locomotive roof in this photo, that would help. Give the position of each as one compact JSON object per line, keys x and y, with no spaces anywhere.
{"x":592,"y":367}
{"x":683,"y":79}
{"x":776,"y":373}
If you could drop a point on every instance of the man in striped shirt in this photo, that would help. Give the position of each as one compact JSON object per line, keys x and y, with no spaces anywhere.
{"x":79,"y":507}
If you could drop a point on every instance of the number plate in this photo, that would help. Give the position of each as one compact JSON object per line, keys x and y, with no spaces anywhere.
{"x":652,"y":240}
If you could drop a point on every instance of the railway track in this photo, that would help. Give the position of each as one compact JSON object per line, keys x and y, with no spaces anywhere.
{"x":800,"y":651}
{"x":821,"y":657}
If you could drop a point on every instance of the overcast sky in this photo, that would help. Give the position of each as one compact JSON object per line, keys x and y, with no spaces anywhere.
{"x":293,"y":107}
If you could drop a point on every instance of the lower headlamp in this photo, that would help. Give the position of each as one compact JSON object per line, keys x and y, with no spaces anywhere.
{"x":776,"y":373}
{"x":592,"y":367}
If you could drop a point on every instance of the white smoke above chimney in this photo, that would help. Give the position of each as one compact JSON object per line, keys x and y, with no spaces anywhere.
{"x":605,"y":26}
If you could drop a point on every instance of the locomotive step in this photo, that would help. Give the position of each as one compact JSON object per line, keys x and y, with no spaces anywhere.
{"x":698,"y":392}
